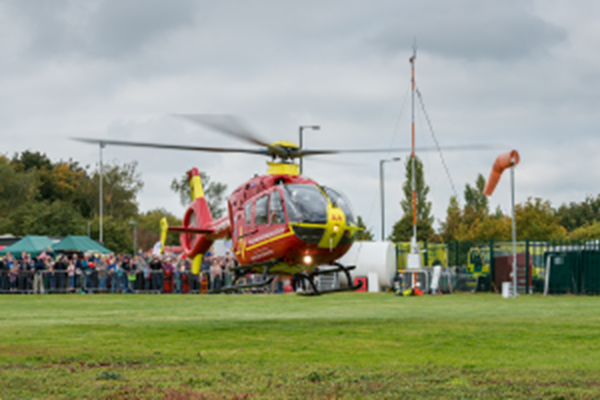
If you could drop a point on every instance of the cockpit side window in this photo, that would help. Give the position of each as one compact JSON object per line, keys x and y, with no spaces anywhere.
{"x":339,"y":200}
{"x":248,"y":212}
{"x":276,"y":214}
{"x":260,"y":212}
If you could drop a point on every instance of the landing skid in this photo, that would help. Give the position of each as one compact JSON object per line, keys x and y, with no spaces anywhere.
{"x":340,"y":268}
{"x":241,"y":272}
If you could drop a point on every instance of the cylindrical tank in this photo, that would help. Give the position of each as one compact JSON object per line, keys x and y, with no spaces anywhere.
{"x":378,"y":257}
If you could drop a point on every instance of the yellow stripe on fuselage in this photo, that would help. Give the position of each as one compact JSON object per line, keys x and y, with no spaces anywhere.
{"x":270,"y":240}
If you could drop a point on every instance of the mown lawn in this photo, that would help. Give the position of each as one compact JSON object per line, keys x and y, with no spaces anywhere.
{"x":287,"y":346}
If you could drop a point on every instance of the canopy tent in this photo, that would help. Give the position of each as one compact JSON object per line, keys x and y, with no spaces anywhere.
{"x":31,"y":244}
{"x":80,"y":243}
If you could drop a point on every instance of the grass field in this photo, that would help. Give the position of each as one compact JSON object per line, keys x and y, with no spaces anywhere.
{"x":286,"y":346}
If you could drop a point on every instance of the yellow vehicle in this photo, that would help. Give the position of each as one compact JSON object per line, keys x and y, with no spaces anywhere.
{"x":478,"y":260}
{"x":436,"y":254}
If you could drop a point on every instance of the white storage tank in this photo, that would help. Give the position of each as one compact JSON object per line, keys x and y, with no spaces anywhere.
{"x":371,"y":257}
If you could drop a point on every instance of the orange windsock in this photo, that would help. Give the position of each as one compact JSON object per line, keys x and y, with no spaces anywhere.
{"x":505,"y":160}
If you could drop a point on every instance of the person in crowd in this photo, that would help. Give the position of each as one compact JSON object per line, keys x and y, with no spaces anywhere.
{"x":102,"y":271}
{"x":112,"y":273}
{"x":157,"y":273}
{"x":130,"y":274}
{"x":90,"y":273}
{"x":143,"y":270}
{"x":215,"y":274}
{"x":60,"y":268}
{"x":168,"y":270}
{"x":83,"y":266}
{"x":146,"y":273}
{"x":25,"y":272}
{"x":228,"y":268}
{"x":179,"y":273}
{"x":71,"y":275}
{"x":3,"y":274}
{"x":121,"y":277}
{"x":205,"y":269}
{"x":51,"y":274}
{"x":13,"y":275}
{"x":39,"y":266}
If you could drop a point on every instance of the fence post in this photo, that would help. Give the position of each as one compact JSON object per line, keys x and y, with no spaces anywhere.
{"x":527,"y":265}
{"x":492,"y":266}
{"x":456,"y":253}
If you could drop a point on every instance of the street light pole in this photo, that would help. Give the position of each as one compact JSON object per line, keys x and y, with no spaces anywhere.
{"x":302,"y":127}
{"x":382,"y":195}
{"x":134,"y":236}
{"x":100,"y":239}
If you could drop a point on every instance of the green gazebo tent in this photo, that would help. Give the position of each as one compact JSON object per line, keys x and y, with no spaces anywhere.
{"x":80,"y":243}
{"x":31,"y":244}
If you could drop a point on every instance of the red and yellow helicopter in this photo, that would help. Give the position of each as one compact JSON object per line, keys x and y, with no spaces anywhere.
{"x":280,"y":223}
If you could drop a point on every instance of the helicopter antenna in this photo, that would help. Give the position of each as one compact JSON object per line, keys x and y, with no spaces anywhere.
{"x":415,"y":248}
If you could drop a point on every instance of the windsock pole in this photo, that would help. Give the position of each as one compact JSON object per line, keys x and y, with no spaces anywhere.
{"x":514,"y":227}
{"x":506,"y":160}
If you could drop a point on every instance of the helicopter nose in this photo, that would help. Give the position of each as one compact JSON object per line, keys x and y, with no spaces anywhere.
{"x":334,"y":229}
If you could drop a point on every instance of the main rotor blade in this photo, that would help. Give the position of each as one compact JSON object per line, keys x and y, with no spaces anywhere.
{"x":231,"y":126}
{"x":308,"y":152}
{"x":226,"y":124}
{"x":172,"y":146}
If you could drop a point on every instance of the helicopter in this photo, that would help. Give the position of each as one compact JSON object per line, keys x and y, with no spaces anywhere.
{"x":280,"y":223}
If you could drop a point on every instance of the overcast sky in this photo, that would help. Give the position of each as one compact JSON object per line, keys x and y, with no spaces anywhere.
{"x":524,"y":74}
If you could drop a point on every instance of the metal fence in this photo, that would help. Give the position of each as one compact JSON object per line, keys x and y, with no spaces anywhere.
{"x":556,"y":267}
{"x":29,"y":282}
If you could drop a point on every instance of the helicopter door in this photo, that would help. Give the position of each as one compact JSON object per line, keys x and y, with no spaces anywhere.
{"x":276,"y":213}
{"x":260,"y":225}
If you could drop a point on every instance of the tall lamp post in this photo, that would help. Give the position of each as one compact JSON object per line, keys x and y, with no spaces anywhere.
{"x":134,"y":236}
{"x":100,"y":239}
{"x":381,"y":193}
{"x":303,"y":127}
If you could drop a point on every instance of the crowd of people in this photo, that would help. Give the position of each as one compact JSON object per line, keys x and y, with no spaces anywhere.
{"x":98,"y":273}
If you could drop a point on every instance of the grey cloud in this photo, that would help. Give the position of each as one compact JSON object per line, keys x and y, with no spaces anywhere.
{"x":472,"y":29}
{"x":105,"y":28}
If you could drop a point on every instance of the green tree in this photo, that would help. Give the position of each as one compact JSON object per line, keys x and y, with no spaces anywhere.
{"x":536,"y":220}
{"x":474,"y":197}
{"x":213,"y":191}
{"x":576,"y":215}
{"x":590,"y":231}
{"x":120,"y":187}
{"x":16,"y":188}
{"x":56,"y":218}
{"x":366,"y":235}
{"x":117,"y":234}
{"x":449,"y":227}
{"x":149,"y":228}
{"x":402,"y":230}
{"x":28,"y":160}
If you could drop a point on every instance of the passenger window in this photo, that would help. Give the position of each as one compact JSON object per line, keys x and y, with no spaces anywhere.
{"x":248,"y":212}
{"x":276,"y":215}
{"x":260,"y":212}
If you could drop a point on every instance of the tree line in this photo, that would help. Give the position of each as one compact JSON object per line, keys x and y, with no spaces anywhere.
{"x":536,"y":219}
{"x":42,"y":197}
